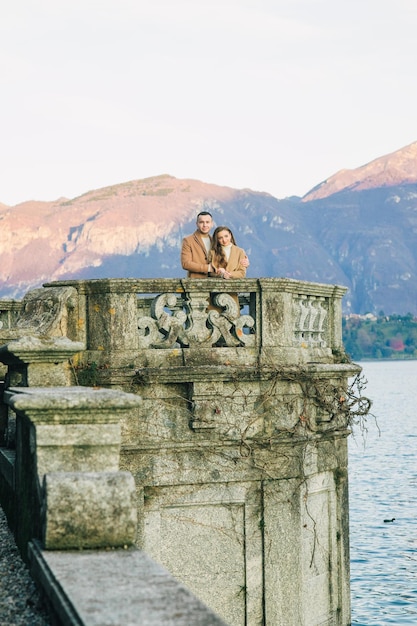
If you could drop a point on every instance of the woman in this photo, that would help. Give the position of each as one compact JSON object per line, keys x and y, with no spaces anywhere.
{"x":226,"y":257}
{"x":226,"y":261}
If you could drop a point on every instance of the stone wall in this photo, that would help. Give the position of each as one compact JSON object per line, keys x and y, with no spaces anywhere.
{"x":238,"y":448}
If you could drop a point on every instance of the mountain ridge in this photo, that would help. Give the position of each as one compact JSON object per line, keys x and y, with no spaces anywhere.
{"x":362,"y":238}
{"x":399,"y":167}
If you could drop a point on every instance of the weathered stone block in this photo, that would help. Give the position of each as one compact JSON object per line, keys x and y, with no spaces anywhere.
{"x":89,"y":510}
{"x":49,"y":312}
{"x":76,"y":447}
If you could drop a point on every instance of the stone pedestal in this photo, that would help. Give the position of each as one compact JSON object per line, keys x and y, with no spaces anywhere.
{"x":69,"y":491}
{"x":34,"y":361}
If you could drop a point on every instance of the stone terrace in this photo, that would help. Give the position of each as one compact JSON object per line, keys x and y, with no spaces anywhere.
{"x":210,"y":437}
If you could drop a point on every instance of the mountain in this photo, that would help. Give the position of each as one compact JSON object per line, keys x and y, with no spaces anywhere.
{"x":371,"y":236}
{"x":397,"y":168}
{"x":361,"y":233}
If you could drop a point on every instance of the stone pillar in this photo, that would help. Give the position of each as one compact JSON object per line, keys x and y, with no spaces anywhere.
{"x":336,"y":318}
{"x":33,"y":361}
{"x":111,"y":320}
{"x":68,"y":488}
{"x":276,"y":313}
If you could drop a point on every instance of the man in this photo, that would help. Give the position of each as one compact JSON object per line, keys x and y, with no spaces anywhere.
{"x":195,"y":251}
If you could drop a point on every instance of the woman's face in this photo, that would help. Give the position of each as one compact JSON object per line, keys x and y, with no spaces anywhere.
{"x":224,"y":237}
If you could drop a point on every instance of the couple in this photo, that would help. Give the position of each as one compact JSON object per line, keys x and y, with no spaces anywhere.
{"x":203,"y":256}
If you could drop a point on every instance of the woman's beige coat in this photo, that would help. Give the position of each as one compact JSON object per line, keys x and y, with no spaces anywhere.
{"x":233,"y":265}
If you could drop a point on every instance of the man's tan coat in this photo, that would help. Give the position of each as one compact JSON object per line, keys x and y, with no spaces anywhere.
{"x":194,"y":257}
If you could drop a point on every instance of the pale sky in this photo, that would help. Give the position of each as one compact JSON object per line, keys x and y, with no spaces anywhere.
{"x":271,"y":95}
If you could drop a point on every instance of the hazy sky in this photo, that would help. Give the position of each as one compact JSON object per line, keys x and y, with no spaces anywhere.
{"x":272,"y":95}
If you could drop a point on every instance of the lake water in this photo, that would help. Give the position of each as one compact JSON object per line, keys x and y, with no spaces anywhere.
{"x":383,"y":486}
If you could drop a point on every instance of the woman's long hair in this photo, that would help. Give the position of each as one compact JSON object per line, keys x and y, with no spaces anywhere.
{"x":216,"y":246}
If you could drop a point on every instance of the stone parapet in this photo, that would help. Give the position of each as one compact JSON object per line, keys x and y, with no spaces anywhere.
{"x":114,"y":588}
{"x":238,"y":449}
{"x":160,"y":319}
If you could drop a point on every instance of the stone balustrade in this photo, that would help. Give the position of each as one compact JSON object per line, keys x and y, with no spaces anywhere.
{"x":180,"y":321}
{"x":9,"y":313}
{"x":144,"y":314}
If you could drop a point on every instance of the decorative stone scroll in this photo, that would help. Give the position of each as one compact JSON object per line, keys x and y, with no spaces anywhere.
{"x":46,"y":311}
{"x":310,"y":317}
{"x":186,"y":321}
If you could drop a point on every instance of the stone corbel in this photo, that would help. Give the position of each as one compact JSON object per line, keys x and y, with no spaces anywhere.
{"x":205,"y":406}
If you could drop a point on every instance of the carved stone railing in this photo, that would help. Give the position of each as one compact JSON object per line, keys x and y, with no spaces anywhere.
{"x":183,"y":320}
{"x":283,"y":319}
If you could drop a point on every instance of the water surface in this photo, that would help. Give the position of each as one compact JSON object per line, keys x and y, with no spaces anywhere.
{"x":383,"y":486}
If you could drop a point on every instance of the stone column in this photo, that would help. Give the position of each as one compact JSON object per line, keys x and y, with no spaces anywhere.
{"x":336,"y":318}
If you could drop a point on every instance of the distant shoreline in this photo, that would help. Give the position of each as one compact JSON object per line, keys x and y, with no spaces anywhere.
{"x":389,"y":359}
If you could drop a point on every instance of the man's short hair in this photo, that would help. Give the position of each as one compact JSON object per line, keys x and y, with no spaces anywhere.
{"x":204,"y":213}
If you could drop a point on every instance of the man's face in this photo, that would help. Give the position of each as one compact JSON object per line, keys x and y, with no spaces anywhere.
{"x":204,"y":224}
